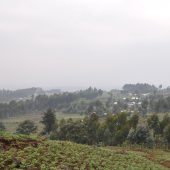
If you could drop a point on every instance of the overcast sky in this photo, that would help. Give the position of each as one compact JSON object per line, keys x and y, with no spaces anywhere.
{"x":81,"y":43}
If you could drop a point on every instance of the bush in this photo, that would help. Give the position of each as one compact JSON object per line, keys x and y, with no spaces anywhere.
{"x":167,"y":134}
{"x":27,"y":127}
{"x":141,"y":135}
{"x":2,"y":126}
{"x":72,"y":131}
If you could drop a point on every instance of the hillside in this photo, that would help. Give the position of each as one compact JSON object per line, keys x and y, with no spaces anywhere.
{"x":21,"y":152}
{"x":7,"y":96}
{"x":131,"y":99}
{"x":20,"y":94}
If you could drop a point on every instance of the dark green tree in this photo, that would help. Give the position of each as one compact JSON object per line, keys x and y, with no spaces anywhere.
{"x":141,"y":135}
{"x":92,"y":124}
{"x":153,"y":123}
{"x":167,"y":134}
{"x":27,"y":127}
{"x":49,"y":121}
{"x":118,"y":127}
{"x":134,"y":121}
{"x":73,"y":131}
{"x":144,"y":107}
{"x":2,"y":126}
{"x":107,"y":137}
{"x":165,"y":121}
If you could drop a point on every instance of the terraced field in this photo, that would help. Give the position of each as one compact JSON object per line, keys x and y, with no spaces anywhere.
{"x":21,"y":152}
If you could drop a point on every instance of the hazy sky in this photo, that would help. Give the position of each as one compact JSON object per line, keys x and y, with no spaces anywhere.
{"x":102,"y":43}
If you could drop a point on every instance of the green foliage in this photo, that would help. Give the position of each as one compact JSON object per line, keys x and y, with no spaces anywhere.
{"x":92,"y":124}
{"x":160,"y":104}
{"x":114,"y":130}
{"x":27,"y":127}
{"x":134,"y":121}
{"x":72,"y":131}
{"x":96,"y":106}
{"x":52,"y":155}
{"x":139,"y":88}
{"x":141,"y":135}
{"x":107,"y":137}
{"x":154,"y":123}
{"x":2,"y":126}
{"x":164,"y":123}
{"x":91,"y":131}
{"x":117,"y":127}
{"x":83,"y":131}
{"x":65,"y":102}
{"x":167,"y":133}
{"x":49,"y":121}
{"x":144,"y":107}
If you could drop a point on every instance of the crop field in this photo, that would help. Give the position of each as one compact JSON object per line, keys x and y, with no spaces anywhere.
{"x":12,"y":123}
{"x":21,"y":152}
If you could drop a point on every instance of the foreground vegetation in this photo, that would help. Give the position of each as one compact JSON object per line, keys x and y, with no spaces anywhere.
{"x":23,"y":152}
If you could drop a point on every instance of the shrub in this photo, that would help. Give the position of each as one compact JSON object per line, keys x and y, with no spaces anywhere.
{"x":2,"y":126}
{"x":167,"y":134}
{"x":141,"y":135}
{"x":27,"y":127}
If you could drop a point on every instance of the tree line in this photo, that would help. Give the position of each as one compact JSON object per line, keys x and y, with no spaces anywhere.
{"x":112,"y":130}
{"x":62,"y":102}
{"x":157,"y":104}
{"x":140,"y":88}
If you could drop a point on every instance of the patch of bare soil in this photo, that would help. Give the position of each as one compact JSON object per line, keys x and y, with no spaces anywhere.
{"x":6,"y":144}
{"x":166,"y":163}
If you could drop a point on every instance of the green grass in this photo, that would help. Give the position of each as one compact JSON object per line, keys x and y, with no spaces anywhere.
{"x":12,"y":123}
{"x":58,"y":155}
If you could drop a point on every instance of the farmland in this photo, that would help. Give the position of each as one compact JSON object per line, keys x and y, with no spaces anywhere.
{"x":11,"y":123}
{"x":21,"y":152}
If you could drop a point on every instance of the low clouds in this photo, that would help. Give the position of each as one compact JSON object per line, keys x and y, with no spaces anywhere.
{"x":83,"y":43}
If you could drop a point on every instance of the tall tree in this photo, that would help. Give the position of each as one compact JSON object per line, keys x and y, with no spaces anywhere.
{"x":167,"y":134}
{"x":165,"y":121}
{"x":49,"y":121}
{"x":153,"y":123}
{"x":92,"y":124}
{"x":134,"y":121}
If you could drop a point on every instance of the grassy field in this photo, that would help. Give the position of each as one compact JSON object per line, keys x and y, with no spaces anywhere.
{"x":12,"y":123}
{"x":40,"y":154}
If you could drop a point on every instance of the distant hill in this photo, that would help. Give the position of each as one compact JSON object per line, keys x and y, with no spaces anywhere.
{"x":21,"y":94}
{"x":139,"y":88}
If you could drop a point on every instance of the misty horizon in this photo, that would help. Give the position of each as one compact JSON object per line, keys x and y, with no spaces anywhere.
{"x":77,"y":88}
{"x":103,"y":44}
